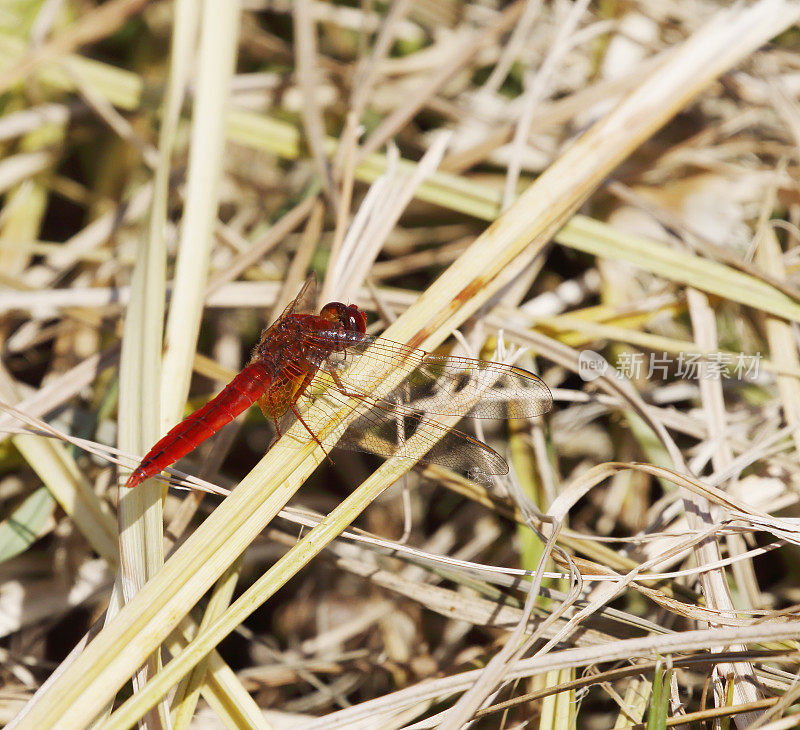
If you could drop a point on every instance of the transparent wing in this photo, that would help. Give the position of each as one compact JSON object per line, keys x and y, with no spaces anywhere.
{"x":397,"y":431}
{"x":305,"y":300}
{"x":395,"y":422}
{"x":301,"y":304}
{"x":438,"y":384}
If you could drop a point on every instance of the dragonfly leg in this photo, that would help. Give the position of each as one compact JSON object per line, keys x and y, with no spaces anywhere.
{"x":342,"y":389}
{"x":313,"y":435}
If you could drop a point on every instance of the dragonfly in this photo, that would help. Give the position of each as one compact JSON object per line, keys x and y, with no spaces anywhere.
{"x":305,"y":359}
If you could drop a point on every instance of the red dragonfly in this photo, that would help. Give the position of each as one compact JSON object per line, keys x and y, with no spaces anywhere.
{"x":305,"y":358}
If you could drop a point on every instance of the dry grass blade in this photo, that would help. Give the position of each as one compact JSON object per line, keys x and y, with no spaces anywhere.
{"x":598,"y":239}
{"x":476,"y":199}
{"x":306,"y":51}
{"x":584,"y":656}
{"x":93,"y":26}
{"x":216,"y":58}
{"x":140,"y":511}
{"x":514,"y":239}
{"x":660,"y":493}
{"x":461,"y":50}
{"x":26,"y":524}
{"x":61,"y":475}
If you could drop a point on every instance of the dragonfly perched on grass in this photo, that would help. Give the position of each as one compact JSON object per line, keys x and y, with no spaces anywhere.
{"x":305,"y":358}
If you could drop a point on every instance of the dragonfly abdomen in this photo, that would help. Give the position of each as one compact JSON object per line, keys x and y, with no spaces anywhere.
{"x":235,"y":398}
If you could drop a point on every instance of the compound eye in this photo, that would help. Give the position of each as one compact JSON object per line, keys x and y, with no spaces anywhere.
{"x":333,"y":311}
{"x":349,"y":316}
{"x":356,"y":319}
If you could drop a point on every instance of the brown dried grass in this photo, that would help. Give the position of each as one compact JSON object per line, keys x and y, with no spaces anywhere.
{"x":638,"y":517}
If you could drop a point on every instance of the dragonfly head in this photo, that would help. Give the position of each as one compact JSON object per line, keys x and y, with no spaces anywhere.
{"x":349,"y":316}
